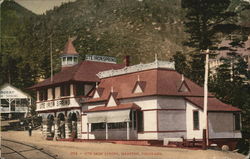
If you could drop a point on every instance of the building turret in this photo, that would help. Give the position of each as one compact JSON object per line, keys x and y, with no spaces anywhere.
{"x":69,"y":56}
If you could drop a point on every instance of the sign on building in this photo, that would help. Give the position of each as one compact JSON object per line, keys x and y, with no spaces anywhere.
{"x":98,"y":58}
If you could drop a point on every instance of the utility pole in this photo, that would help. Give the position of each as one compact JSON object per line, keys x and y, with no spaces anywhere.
{"x":205,"y":96}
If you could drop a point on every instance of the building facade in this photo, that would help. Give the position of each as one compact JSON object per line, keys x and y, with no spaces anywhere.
{"x":154,"y":102}
{"x":108,"y":101}
{"x":59,"y":98}
{"x":14,"y":103}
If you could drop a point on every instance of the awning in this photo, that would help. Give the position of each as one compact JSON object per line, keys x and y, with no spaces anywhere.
{"x":114,"y":116}
{"x":97,"y":117}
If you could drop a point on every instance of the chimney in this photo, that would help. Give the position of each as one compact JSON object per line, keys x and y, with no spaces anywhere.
{"x":126,"y":60}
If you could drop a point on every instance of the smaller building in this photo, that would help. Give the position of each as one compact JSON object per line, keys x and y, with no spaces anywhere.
{"x":14,"y":102}
{"x":154,"y":102}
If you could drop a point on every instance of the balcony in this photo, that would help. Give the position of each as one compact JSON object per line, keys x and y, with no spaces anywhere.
{"x":14,"y":109}
{"x":66,"y":102}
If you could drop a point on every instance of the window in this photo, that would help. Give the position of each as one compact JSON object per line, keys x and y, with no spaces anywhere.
{"x":97,"y":126}
{"x":24,"y":102}
{"x":117,"y":125}
{"x":133,"y":118}
{"x":43,"y":94}
{"x":140,"y":121}
{"x":237,"y":121}
{"x":4,"y":103}
{"x":65,"y":90}
{"x":75,"y":59}
{"x":53,"y":93}
{"x":196,"y":119}
{"x":70,"y":60}
{"x":80,"y":89}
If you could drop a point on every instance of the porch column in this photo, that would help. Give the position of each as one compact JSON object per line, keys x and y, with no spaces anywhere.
{"x":88,"y":131}
{"x":133,"y":119}
{"x":79,"y":127}
{"x":127,"y":130}
{"x":56,"y":122}
{"x":107,"y":135}
{"x":9,"y":116}
{"x":67,"y":131}
{"x":45,"y":128}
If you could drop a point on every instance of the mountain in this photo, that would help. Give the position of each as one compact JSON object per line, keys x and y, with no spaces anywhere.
{"x":117,"y":27}
{"x":12,"y":14}
{"x":13,"y":21}
{"x":139,"y":28}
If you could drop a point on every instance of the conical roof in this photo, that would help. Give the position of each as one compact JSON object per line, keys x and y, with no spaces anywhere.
{"x":69,"y":48}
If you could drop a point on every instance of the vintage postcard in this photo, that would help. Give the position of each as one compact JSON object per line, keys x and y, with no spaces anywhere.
{"x":125,"y":79}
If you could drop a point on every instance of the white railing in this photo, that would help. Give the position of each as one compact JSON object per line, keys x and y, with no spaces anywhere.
{"x":5,"y":109}
{"x":136,"y":68}
{"x":59,"y":103}
{"x":21,"y":109}
{"x":16,"y":109}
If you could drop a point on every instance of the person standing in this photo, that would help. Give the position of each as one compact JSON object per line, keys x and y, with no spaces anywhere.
{"x":30,"y":129}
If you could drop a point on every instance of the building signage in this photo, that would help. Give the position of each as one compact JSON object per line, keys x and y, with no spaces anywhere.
{"x":107,"y":59}
{"x":7,"y":94}
{"x":63,"y":102}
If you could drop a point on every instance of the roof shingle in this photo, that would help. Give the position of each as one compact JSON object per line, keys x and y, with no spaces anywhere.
{"x":85,"y":72}
{"x":213,"y":104}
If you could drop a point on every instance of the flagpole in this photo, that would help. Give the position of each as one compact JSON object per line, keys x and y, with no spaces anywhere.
{"x":51,"y":60}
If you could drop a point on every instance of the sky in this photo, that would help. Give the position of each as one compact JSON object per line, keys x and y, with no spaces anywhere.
{"x":40,"y":6}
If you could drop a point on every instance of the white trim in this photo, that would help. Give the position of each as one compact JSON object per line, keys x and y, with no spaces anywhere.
{"x":136,"y":68}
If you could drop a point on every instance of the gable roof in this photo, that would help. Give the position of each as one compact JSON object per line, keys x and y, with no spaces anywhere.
{"x":156,"y":81}
{"x":13,"y":92}
{"x":213,"y":104}
{"x":85,"y":71}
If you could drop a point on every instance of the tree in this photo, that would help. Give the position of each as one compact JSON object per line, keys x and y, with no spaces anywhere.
{"x":231,"y":85}
{"x":203,"y":21}
{"x":181,"y":64}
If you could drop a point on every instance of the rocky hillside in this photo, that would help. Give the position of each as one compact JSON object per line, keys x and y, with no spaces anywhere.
{"x":139,"y":28}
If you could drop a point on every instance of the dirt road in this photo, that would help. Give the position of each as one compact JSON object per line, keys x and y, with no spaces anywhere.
{"x":84,"y":150}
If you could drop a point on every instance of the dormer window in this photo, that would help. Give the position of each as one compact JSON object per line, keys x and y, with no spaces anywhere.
{"x":112,"y":101}
{"x":98,"y":92}
{"x":183,"y":87}
{"x":139,"y":87}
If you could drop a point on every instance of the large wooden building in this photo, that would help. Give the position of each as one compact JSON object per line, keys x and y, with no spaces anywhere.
{"x":59,"y":99}
{"x":154,"y":102}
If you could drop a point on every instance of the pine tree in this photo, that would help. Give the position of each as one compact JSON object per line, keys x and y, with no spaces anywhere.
{"x":181,"y":63}
{"x":231,"y":85}
{"x":204,"y":20}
